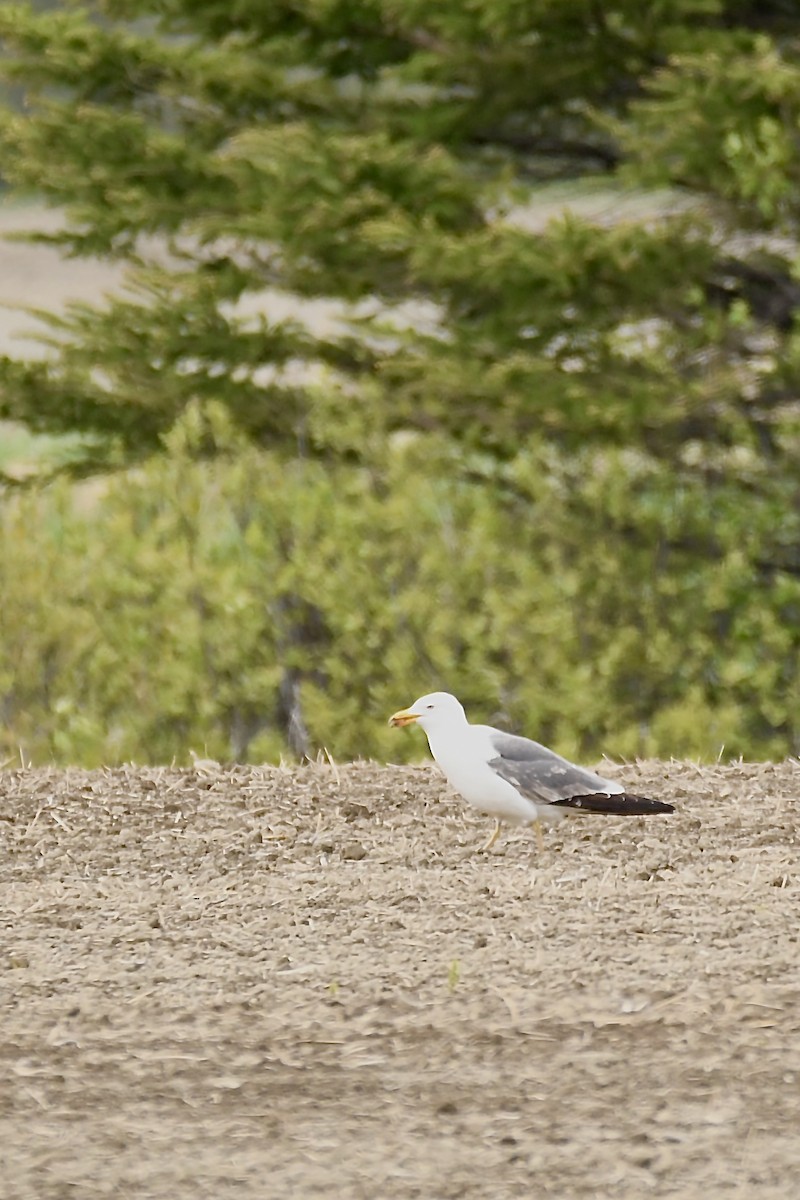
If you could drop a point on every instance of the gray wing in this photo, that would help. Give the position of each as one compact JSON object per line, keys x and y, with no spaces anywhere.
{"x":540,"y":774}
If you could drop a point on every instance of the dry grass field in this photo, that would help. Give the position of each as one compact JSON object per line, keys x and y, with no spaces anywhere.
{"x":264,"y":982}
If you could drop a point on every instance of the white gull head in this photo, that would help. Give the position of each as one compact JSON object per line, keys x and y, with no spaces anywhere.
{"x":435,"y":713}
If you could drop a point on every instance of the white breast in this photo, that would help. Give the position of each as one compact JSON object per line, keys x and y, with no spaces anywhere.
{"x":464,"y":761}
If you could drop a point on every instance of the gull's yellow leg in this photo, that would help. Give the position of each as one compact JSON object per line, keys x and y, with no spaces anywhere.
{"x":537,"y":825}
{"x":495,"y":834}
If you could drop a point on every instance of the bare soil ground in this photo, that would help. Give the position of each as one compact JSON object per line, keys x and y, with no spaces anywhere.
{"x":263,"y":982}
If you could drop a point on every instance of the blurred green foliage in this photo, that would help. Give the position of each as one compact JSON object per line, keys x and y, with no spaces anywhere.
{"x":164,"y":609}
{"x":547,"y":461}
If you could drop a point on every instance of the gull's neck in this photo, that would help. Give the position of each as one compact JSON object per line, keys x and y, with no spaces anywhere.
{"x":457,"y":743}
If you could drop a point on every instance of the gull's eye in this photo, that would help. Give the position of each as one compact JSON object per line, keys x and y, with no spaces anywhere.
{"x":429,"y":706}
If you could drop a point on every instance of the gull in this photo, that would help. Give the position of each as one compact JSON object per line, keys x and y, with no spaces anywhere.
{"x":511,"y":778}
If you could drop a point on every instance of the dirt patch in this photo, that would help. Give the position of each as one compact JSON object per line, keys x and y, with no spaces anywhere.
{"x":299,"y":983}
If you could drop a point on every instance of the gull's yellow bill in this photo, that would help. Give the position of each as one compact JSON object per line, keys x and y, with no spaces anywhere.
{"x":406,"y":716}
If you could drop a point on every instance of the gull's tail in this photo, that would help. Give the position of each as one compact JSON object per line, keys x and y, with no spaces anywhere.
{"x":620,"y":805}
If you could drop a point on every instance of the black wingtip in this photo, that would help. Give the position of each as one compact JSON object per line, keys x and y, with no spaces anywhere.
{"x":623,"y":804}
